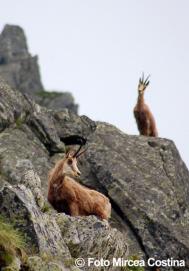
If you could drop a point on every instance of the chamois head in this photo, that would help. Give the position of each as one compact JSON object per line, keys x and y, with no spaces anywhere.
{"x":143,"y":84}
{"x":70,"y":163}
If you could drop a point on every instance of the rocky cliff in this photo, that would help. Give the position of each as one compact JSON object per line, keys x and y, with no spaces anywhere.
{"x":145,"y":179}
{"x":20,"y":69}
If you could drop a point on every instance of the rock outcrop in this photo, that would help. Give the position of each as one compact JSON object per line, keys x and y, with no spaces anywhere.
{"x":88,"y":237}
{"x":18,"y":204}
{"x":59,"y":239}
{"x":145,"y":179}
{"x":29,"y":145}
{"x":148,"y":184}
{"x":21,"y":71}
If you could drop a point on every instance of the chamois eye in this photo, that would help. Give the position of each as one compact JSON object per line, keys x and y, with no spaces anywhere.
{"x":70,"y":161}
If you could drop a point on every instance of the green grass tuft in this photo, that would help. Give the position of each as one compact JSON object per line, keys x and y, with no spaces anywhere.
{"x":11,"y":242}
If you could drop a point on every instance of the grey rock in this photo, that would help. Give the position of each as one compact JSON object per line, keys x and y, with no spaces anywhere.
{"x":57,"y":100}
{"x":148,"y":184}
{"x":88,"y":237}
{"x":13,"y":44}
{"x":13,"y":106}
{"x":36,"y":263}
{"x":68,"y":123}
{"x":19,"y":148}
{"x":17,"y":66}
{"x":145,"y":178}
{"x":58,"y":239}
{"x":17,"y":203}
{"x":21,"y":71}
{"x":19,"y":110}
{"x":31,"y":180}
{"x":42,"y":124}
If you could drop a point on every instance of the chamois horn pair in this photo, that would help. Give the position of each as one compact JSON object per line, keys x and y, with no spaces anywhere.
{"x":78,"y":153}
{"x":145,"y":82}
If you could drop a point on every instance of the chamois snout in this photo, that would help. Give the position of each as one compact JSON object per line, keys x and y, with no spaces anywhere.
{"x":78,"y":173}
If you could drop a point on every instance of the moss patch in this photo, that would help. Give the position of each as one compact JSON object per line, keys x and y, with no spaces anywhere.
{"x":48,"y":94}
{"x":19,"y":122}
{"x":46,"y":208}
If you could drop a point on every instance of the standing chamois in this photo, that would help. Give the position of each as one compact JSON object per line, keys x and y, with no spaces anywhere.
{"x":67,"y":195}
{"x":144,"y":118}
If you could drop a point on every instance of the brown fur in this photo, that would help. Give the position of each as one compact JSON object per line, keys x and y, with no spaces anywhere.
{"x":144,"y":118}
{"x":67,"y":195}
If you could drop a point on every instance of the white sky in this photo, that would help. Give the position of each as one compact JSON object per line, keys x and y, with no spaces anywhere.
{"x":97,"y":49}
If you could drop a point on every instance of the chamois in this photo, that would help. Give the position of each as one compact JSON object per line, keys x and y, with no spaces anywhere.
{"x":67,"y":195}
{"x":144,"y":118}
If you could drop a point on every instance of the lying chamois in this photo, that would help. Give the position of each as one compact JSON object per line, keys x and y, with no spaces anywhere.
{"x":144,"y":118}
{"x":67,"y":195}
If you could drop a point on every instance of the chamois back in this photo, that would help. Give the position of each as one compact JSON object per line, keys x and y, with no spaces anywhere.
{"x":67,"y":195}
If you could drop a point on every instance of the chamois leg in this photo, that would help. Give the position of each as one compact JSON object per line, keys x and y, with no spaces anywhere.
{"x":100,"y":212}
{"x":74,"y":209}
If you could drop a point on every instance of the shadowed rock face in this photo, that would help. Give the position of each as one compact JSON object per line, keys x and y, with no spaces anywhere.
{"x":21,"y":71}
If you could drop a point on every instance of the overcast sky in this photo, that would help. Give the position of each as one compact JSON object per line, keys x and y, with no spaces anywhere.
{"x":97,"y":49}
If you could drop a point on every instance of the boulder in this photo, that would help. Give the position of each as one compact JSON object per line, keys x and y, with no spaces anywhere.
{"x":88,"y":237}
{"x":148,"y":184}
{"x":42,"y":232}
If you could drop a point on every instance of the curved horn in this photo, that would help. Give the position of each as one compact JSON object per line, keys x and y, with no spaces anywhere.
{"x":77,"y":152}
{"x":80,"y":153}
{"x":147,"y":81}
